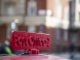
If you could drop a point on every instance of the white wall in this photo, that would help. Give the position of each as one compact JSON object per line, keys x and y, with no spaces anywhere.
{"x":77,"y":21}
{"x":29,"y":20}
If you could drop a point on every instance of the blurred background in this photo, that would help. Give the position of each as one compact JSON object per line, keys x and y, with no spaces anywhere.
{"x":59,"y":18}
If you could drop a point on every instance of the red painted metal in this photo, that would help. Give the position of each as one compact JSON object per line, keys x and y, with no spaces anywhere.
{"x":30,"y":41}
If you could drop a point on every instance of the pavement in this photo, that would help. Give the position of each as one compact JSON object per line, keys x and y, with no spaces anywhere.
{"x":51,"y":56}
{"x":76,"y":56}
{"x":33,"y":57}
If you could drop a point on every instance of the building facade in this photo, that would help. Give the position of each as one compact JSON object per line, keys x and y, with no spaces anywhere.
{"x":48,"y":16}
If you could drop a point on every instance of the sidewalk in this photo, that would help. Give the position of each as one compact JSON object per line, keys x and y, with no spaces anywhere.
{"x":65,"y":55}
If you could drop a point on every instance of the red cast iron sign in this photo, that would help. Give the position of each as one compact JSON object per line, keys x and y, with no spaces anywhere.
{"x":28,"y":41}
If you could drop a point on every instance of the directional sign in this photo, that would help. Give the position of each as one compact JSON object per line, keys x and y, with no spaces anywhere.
{"x":28,"y":41}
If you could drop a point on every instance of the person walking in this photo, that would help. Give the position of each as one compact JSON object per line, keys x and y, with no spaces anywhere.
{"x":72,"y":50}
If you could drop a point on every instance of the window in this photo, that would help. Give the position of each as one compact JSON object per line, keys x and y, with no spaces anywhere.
{"x":42,"y":28}
{"x":31,"y":28}
{"x":79,"y":16}
{"x":9,"y":8}
{"x":58,"y":8}
{"x":79,"y":1}
{"x":65,"y":35}
{"x":21,"y":7}
{"x":32,"y":8}
{"x":59,"y":36}
{"x":0,"y":7}
{"x":74,"y":38}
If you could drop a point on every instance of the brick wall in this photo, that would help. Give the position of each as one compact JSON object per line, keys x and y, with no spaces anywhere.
{"x":3,"y":28}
